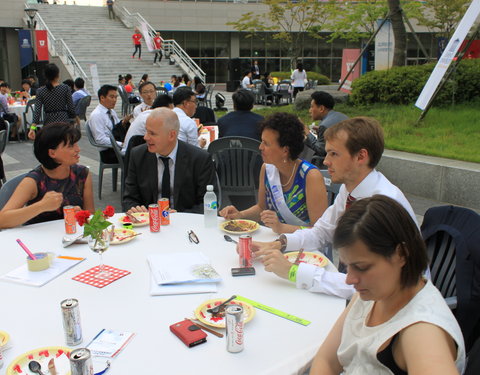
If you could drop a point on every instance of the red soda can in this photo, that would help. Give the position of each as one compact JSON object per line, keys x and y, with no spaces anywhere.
{"x":154,"y":214}
{"x":69,"y":217}
{"x":245,"y":250}
{"x":164,"y":204}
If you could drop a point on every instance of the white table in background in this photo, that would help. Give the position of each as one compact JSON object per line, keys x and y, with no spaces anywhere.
{"x":273,"y":345}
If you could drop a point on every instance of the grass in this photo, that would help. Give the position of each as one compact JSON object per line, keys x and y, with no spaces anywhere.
{"x":450,"y":132}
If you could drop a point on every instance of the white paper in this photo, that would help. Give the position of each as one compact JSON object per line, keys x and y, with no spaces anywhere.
{"x":22,"y":275}
{"x":175,"y":268}
{"x":108,"y":343}
{"x":185,"y":288}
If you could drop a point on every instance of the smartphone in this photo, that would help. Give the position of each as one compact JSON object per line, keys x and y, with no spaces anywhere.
{"x":243,"y":271}
{"x":189,"y":333}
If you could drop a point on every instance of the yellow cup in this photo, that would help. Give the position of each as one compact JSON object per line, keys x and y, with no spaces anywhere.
{"x":43,"y":261}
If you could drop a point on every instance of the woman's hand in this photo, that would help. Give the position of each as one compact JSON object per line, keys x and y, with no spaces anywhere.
{"x":270,"y":219}
{"x":230,"y":213}
{"x":31,"y":134}
{"x":51,"y":200}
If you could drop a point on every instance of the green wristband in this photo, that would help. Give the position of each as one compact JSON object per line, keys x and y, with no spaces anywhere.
{"x":33,"y":127}
{"x":292,"y":274}
{"x":303,"y":227}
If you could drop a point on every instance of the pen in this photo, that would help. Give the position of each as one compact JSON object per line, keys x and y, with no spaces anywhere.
{"x":33,"y":257}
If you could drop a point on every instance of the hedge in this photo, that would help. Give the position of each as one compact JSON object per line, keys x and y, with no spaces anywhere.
{"x":402,"y":85}
{"x":322,"y":80}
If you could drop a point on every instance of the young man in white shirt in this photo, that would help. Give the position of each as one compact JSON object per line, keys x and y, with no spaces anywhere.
{"x":354,"y":148}
{"x":185,"y":103}
{"x":247,"y":82}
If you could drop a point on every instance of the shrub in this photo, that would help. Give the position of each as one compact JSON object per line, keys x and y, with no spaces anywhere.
{"x":402,"y":85}
{"x":322,"y":80}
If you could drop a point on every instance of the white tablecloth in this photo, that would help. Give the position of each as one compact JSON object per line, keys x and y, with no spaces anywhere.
{"x":32,"y":316}
{"x":18,"y":109}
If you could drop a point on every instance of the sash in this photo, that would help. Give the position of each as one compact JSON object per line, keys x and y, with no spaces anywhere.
{"x":277,"y":196}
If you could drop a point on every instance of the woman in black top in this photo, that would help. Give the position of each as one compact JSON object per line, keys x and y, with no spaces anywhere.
{"x":56,"y":100}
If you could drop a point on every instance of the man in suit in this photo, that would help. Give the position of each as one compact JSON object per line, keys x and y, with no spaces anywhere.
{"x":242,"y":122}
{"x":184,"y":182}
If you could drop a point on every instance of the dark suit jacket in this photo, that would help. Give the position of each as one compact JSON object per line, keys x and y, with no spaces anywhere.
{"x":194,"y":170}
{"x":240,"y":124}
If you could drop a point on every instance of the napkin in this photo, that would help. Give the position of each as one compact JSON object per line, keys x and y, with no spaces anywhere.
{"x":88,"y":277}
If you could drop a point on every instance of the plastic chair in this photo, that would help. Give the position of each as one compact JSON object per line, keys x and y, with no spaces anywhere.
{"x":118,"y":154}
{"x":452,"y":236}
{"x":284,"y":91}
{"x":102,"y":165}
{"x":82,"y":106}
{"x":3,"y":140}
{"x":162,"y":91}
{"x":237,"y":161}
{"x":208,"y":96}
{"x":8,"y":188}
{"x":28,"y":116}
{"x":332,"y":188}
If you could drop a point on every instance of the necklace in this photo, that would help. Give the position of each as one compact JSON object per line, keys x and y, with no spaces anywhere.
{"x":293,"y":171}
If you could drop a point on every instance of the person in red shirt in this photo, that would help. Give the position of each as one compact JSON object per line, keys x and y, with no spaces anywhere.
{"x":137,"y":42}
{"x":157,"y":42}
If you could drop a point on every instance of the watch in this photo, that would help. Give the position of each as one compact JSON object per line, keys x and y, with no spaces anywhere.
{"x":283,"y":242}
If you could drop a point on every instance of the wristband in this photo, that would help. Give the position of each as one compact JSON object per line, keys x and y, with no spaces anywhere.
{"x":33,"y":127}
{"x":303,"y":227}
{"x":283,"y":242}
{"x":292,"y":274}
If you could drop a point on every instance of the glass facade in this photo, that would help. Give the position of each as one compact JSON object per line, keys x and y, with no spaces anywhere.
{"x":212,"y":51}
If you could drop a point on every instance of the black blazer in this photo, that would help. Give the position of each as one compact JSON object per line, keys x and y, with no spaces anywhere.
{"x":194,"y":170}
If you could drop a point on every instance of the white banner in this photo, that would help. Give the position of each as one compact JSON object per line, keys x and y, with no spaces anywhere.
{"x":384,"y":45}
{"x":147,"y":37}
{"x":448,"y":54}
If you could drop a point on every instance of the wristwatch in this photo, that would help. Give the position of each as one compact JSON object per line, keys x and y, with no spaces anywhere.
{"x":283,"y":242}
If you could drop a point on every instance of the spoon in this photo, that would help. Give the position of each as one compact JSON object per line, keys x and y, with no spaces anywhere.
{"x":215,"y":310}
{"x":229,"y":239}
{"x":34,"y":366}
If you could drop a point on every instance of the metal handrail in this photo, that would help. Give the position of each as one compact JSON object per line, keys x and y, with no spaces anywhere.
{"x":170,"y":46}
{"x":58,"y":47}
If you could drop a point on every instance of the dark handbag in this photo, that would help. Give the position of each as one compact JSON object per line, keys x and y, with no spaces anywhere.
{"x":119,"y":132}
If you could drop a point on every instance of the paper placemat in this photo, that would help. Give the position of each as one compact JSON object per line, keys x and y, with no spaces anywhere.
{"x":88,"y":277}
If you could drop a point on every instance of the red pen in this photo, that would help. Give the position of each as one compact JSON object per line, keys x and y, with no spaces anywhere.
{"x":30,"y":254}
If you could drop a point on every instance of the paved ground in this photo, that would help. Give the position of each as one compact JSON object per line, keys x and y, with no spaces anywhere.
{"x":18,"y":158}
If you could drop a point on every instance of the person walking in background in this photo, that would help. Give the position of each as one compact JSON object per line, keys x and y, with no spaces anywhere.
{"x":111,"y":14}
{"x":299,"y":76}
{"x":137,"y":42}
{"x":55,"y":99}
{"x":157,"y":43}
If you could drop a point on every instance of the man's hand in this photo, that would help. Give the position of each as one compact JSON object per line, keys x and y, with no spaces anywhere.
{"x":258,"y":246}
{"x":270,"y":219}
{"x":51,"y":200}
{"x":202,"y":142}
{"x":137,"y":209}
{"x":230,"y":213}
{"x":31,"y":134}
{"x":274,"y":261}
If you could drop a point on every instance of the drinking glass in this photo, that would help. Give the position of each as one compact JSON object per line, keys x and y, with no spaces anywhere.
{"x":100,"y":245}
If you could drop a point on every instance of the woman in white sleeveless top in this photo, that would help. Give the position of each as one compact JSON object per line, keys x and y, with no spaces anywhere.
{"x":397,"y":323}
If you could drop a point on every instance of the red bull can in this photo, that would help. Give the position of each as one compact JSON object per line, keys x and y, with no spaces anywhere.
{"x":154,"y":214}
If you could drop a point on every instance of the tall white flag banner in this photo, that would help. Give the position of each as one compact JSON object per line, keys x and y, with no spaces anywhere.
{"x":147,"y":37}
{"x":448,"y":54}
{"x":384,"y":45}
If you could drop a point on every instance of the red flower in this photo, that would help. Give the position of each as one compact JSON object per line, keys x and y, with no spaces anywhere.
{"x":82,"y":216}
{"x":109,"y":211}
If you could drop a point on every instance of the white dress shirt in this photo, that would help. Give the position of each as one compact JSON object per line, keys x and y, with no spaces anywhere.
{"x":246,"y":82}
{"x":188,"y":128}
{"x":101,"y":125}
{"x":161,"y":166}
{"x":137,"y":127}
{"x":317,"y":279}
{"x":142,"y":107}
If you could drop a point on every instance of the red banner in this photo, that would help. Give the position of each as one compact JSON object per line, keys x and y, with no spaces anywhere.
{"x":348,"y":58}
{"x":41,"y":44}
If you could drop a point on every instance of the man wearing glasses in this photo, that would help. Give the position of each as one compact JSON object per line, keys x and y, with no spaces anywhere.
{"x":148,"y":92}
{"x":185,"y":103}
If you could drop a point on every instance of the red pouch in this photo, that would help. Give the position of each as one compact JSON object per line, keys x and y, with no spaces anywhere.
{"x":189,"y":333}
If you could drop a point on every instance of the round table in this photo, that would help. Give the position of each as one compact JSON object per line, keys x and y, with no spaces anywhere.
{"x":18,"y":109}
{"x":273,"y":345}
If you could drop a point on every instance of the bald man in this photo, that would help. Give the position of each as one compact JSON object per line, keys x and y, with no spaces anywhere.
{"x":166,"y":167}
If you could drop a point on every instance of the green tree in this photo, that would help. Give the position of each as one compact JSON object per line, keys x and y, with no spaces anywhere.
{"x":442,"y":16}
{"x":288,"y":21}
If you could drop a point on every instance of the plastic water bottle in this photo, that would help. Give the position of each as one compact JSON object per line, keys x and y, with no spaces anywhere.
{"x":210,"y":207}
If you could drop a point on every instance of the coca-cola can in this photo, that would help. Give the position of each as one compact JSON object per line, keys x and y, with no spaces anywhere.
{"x":164,"y":204}
{"x":234,"y":326}
{"x":154,"y":213}
{"x":81,"y":362}
{"x":245,"y":250}
{"x":69,"y":217}
{"x":71,"y":321}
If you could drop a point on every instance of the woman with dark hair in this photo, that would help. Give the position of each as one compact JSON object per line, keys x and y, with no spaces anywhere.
{"x":129,"y":89}
{"x":398,"y":322}
{"x":292,"y":193}
{"x":299,"y":77}
{"x":186,"y":80}
{"x":57,"y":182}
{"x":55,"y":99}
{"x":199,"y":88}
{"x":143,"y":79}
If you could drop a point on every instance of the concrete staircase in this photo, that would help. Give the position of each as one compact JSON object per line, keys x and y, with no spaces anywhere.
{"x":93,"y":37}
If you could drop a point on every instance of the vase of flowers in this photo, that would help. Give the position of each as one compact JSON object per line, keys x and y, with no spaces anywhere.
{"x":96,"y":229}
